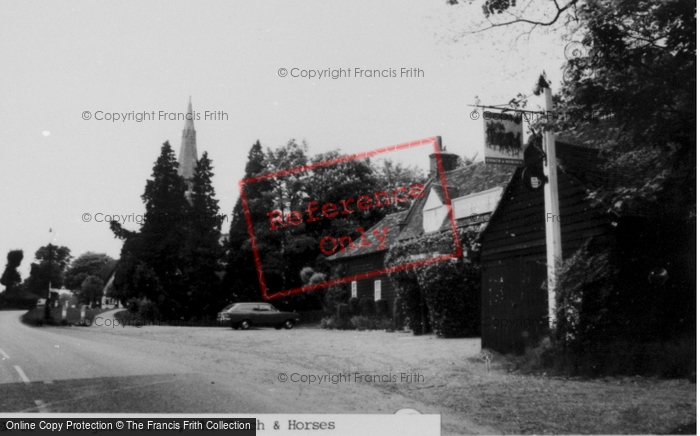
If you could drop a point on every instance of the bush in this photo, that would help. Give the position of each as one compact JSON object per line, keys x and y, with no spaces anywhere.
{"x":306,"y":273}
{"x":453,"y":293}
{"x":333,"y":296}
{"x":343,"y":311}
{"x":367,"y":307}
{"x":370,"y":323}
{"x":354,"y":306}
{"x":132,"y":305}
{"x":18,"y":301}
{"x":317,"y":278}
{"x":335,"y":323}
{"x":399,"y":314}
{"x":148,"y":311}
{"x":382,"y":308}
{"x":362,"y":323}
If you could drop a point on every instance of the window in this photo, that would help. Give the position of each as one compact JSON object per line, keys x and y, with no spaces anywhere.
{"x":377,"y":290}
{"x":353,"y":290}
{"x":264,"y":308}
{"x":477,"y":203}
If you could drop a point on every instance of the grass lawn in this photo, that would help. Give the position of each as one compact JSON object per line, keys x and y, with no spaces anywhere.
{"x":36,"y":316}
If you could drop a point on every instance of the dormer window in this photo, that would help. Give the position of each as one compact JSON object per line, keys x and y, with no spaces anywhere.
{"x":434,"y":211}
{"x":476,"y":204}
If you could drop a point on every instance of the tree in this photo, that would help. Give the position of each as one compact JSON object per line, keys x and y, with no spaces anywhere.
{"x":91,"y":290}
{"x":153,"y":261}
{"x":634,"y":61}
{"x":11,"y":277}
{"x":241,"y":280}
{"x":87,"y":264}
{"x":40,"y":276}
{"x":203,"y":252}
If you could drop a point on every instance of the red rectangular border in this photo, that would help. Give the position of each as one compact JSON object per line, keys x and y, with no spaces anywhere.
{"x":435,"y":141}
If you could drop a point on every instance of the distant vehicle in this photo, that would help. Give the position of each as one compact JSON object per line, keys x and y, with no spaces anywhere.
{"x":41,"y":302}
{"x":244,"y":315}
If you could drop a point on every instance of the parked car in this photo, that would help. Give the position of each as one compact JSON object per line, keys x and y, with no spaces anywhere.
{"x":245,"y":315}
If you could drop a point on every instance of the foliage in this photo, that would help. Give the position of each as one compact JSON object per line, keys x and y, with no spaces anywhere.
{"x":335,"y":323}
{"x":409,"y":291}
{"x":367,"y":307}
{"x":173,"y":260}
{"x":91,"y":290}
{"x":343,"y":311}
{"x":583,"y":293}
{"x":611,"y":316}
{"x":241,"y":279}
{"x":202,"y":252}
{"x":453,"y":294}
{"x":392,"y":174}
{"x":18,"y":301}
{"x":11,"y":277}
{"x":286,"y":252}
{"x":354,"y":306}
{"x":632,"y":63}
{"x":382,"y":307}
{"x":399,"y":313}
{"x":449,"y":290}
{"x":317,"y":278}
{"x":39,"y":274}
{"x":306,"y":274}
{"x":86,"y":265}
{"x":148,"y":311}
{"x":370,"y":323}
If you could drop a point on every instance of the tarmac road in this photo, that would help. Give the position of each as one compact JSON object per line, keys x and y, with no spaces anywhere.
{"x":162,"y":369}
{"x":85,"y":370}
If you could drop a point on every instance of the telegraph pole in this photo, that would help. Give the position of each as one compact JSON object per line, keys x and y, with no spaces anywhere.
{"x":551,"y":203}
{"x":47,"y":309}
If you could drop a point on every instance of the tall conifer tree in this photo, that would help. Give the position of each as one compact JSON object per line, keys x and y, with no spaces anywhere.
{"x":203,"y":252}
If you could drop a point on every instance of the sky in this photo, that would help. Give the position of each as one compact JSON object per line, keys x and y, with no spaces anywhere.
{"x":68,"y":65}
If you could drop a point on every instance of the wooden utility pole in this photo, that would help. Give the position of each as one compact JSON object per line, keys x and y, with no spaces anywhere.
{"x":551,"y":205}
{"x":47,"y":308}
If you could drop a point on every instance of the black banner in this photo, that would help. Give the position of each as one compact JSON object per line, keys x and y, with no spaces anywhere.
{"x":45,"y":426}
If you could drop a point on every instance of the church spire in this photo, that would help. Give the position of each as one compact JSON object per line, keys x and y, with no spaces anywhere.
{"x":188,"y":146}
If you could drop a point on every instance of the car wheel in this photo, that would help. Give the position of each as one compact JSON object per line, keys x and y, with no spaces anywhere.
{"x":245,"y":324}
{"x":288,"y":324}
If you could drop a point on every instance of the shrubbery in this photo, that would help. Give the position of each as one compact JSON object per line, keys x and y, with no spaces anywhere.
{"x":354,"y":306}
{"x":18,"y":301}
{"x":370,"y":323}
{"x":382,"y":308}
{"x":143,"y":310}
{"x":452,"y":291}
{"x":367,"y":307}
{"x":448,"y":292}
{"x":399,"y":313}
{"x":335,"y":323}
{"x":611,"y":321}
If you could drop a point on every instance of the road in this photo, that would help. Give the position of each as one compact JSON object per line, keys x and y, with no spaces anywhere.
{"x":86,"y":370}
{"x":160,"y":369}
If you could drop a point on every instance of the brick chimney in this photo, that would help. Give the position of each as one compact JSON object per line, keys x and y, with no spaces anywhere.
{"x":449,"y":160}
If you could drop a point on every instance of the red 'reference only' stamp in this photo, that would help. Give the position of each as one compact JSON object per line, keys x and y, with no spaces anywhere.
{"x":328,"y":245}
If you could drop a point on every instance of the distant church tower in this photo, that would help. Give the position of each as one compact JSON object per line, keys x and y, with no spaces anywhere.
{"x":188,"y":150}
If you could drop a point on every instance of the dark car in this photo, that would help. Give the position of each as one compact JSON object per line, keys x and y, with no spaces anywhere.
{"x":244,"y":315}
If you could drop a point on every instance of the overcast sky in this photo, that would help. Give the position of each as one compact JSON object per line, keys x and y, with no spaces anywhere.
{"x":60,"y":59}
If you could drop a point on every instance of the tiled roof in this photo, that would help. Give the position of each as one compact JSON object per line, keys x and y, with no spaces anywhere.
{"x":391,"y":222}
{"x":578,"y":153}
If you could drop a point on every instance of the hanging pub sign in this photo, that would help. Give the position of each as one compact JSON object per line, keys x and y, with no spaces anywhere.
{"x":503,"y":138}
